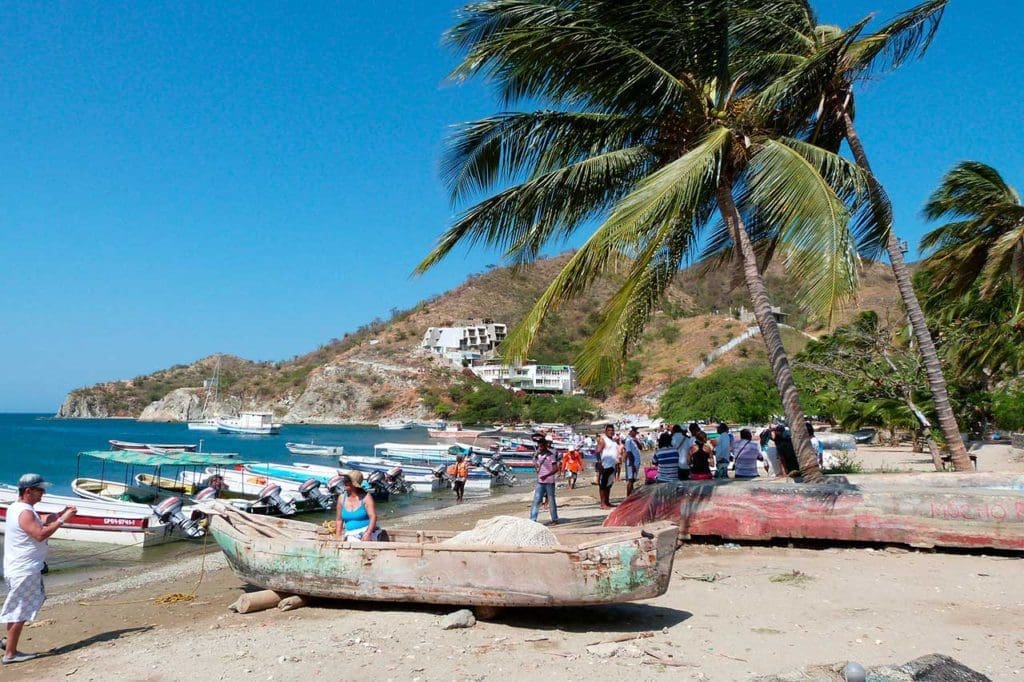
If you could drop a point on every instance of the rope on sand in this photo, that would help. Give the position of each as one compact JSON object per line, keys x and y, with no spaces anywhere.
{"x":171,"y":597}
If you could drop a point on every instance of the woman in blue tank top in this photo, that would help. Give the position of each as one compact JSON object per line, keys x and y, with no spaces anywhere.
{"x":356,"y":520}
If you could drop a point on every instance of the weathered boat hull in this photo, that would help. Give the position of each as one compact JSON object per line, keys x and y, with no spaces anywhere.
{"x":601,"y":566}
{"x":859,"y":509}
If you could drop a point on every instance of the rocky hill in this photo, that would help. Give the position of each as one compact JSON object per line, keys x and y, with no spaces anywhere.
{"x":379,"y":371}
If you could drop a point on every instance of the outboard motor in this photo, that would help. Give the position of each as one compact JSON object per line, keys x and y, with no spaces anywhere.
{"x":169,"y":512}
{"x":336,"y":485}
{"x":377,"y":485}
{"x":440,"y":472}
{"x":395,"y":480}
{"x":499,"y":471}
{"x":310,"y":490}
{"x":271,"y":496}
{"x":207,"y":495}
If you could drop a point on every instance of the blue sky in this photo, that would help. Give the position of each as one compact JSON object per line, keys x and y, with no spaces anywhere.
{"x":184,"y":178}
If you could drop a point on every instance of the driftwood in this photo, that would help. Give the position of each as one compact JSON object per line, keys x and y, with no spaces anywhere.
{"x":293,"y":602}
{"x":658,"y":659}
{"x":250,"y":602}
{"x":623,"y":638}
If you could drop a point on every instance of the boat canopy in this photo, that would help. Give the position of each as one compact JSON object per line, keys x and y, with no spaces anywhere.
{"x":174,"y":459}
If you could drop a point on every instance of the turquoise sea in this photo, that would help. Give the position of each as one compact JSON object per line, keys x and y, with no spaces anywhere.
{"x":41,"y":444}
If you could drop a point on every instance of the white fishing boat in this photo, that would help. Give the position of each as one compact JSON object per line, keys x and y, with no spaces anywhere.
{"x":103,"y":521}
{"x":455,"y":430}
{"x":488,"y":473}
{"x":249,"y":423}
{"x":315,"y":449}
{"x":207,"y":421}
{"x":423,"y":479}
{"x":394,"y":425}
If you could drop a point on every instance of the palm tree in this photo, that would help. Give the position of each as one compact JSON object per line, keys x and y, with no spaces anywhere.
{"x":983,"y":246}
{"x":820,"y":80}
{"x":649,"y":133}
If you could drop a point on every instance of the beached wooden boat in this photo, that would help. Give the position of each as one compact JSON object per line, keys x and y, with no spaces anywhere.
{"x":591,"y":566}
{"x":921,"y":510}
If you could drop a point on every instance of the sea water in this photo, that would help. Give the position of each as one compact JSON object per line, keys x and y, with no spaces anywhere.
{"x":41,"y":444}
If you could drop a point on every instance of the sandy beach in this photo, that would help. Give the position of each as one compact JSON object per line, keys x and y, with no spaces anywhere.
{"x":731,"y":613}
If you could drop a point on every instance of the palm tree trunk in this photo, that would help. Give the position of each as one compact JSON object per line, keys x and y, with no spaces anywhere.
{"x":936,"y":381}
{"x":926,"y":431}
{"x":805,"y":453}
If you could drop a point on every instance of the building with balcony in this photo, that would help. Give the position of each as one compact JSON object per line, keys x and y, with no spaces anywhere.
{"x":530,"y":377}
{"x":464,"y":343}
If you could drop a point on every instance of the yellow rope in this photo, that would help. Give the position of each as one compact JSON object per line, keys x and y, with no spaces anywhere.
{"x":170,"y":598}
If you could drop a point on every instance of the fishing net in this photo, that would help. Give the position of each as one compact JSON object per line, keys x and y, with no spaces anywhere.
{"x":506,"y":530}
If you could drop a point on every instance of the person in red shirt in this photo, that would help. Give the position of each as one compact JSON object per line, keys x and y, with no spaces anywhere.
{"x":572,"y":465}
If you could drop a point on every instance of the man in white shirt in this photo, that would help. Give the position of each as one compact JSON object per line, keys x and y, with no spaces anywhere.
{"x":25,"y":550}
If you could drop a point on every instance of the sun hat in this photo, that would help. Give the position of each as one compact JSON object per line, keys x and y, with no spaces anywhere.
{"x":33,"y":481}
{"x":356,"y":476}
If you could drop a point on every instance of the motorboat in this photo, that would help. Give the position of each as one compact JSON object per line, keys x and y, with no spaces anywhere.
{"x":383,"y":485}
{"x":315,"y":449}
{"x":107,"y":521}
{"x":152,"y":448}
{"x":394,"y":425}
{"x":249,"y":423}
{"x":455,"y":430}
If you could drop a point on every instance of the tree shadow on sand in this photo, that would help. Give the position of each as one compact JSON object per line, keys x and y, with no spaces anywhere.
{"x":108,"y":636}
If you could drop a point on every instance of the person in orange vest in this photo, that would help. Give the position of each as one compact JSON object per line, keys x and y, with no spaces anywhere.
{"x":572,"y":465}
{"x":459,"y":473}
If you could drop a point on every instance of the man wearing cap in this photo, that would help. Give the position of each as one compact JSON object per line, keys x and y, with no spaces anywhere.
{"x":25,"y":550}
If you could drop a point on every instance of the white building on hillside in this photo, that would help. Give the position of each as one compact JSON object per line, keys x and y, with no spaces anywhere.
{"x":467,"y":342}
{"x":531,"y":377}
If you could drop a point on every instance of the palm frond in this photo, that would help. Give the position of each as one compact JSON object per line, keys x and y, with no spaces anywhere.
{"x":626,"y":314}
{"x":480,"y":154}
{"x":676,"y":197}
{"x":793,"y":186}
{"x":558,"y":51}
{"x":798,"y":93}
{"x":522,"y":218}
{"x":905,"y":38}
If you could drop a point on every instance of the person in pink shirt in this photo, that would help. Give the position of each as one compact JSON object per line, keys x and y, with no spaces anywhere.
{"x":547,"y":469}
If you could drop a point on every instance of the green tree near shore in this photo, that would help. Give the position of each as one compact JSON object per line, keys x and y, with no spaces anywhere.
{"x":866,"y":372}
{"x":823,"y":65}
{"x":652,"y":134}
{"x":736,"y":396}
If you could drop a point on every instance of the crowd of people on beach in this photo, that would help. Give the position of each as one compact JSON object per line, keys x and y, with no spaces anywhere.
{"x":680,"y":454}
